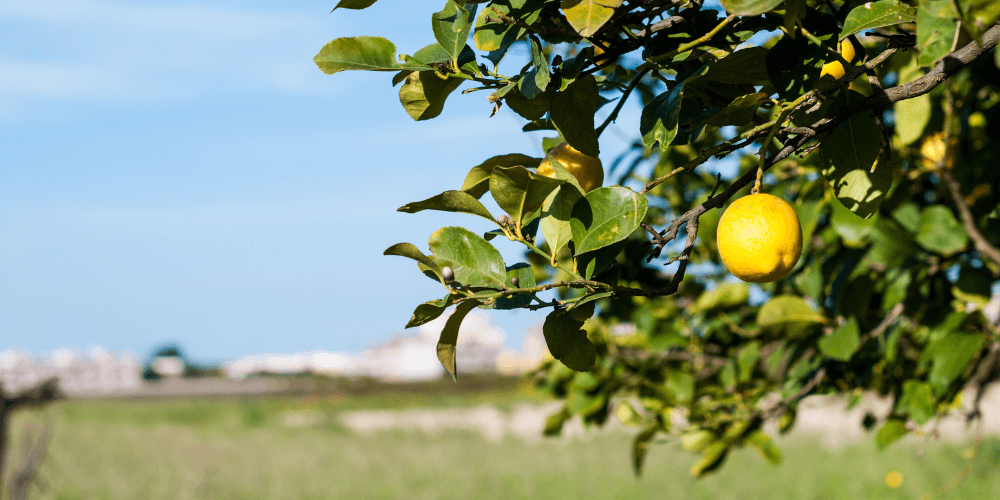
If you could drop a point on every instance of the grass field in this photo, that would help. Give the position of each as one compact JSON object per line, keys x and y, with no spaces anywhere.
{"x":244,"y":449}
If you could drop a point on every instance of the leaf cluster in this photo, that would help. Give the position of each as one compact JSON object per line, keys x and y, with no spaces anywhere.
{"x":889,"y":168}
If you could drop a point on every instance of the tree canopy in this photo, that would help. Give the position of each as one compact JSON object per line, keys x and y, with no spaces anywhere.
{"x":874,"y":120}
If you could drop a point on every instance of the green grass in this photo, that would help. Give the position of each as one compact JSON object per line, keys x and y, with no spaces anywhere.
{"x":233,"y":449}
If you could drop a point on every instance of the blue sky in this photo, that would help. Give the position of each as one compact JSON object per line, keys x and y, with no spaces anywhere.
{"x":182,"y":172}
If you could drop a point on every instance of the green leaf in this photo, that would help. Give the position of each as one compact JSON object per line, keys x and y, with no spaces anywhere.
{"x":424,"y":93}
{"x":477,"y":181}
{"x":451,"y":27}
{"x":585,"y":404}
{"x":918,"y":400}
{"x":449,"y":201}
{"x":950,"y":357}
{"x":795,"y":13}
{"x":711,"y":459}
{"x":587,"y":16}
{"x":554,"y":423}
{"x":842,"y":343}
{"x":749,"y":7}
{"x":848,"y":155}
{"x":659,"y":118}
{"x":890,"y":431}
{"x":696,"y":440}
{"x":411,"y":251}
{"x":606,"y":216}
{"x":529,"y":109}
{"x":436,"y":54}
{"x":449,"y":337}
{"x":572,"y":113}
{"x":740,"y":111}
{"x":640,"y":446}
{"x":354,"y":4}
{"x":536,"y":79}
{"x":593,"y":263}
{"x":557,"y":210}
{"x":940,"y":232}
{"x":912,"y":117}
{"x":369,"y":53}
{"x":743,"y":67}
{"x":724,"y":296}
{"x":877,"y":14}
{"x":765,"y":446}
{"x":566,"y":339}
{"x":746,"y":360}
{"x":788,"y":315}
{"x":474,"y":260}
{"x":681,"y":385}
{"x":519,"y":192}
{"x":908,"y":216}
{"x":429,"y":311}
{"x":526,"y":279}
{"x":495,"y":36}
{"x":891,"y":244}
{"x":973,"y":287}
{"x":936,"y":28}
{"x":980,"y":15}
{"x":853,"y":229}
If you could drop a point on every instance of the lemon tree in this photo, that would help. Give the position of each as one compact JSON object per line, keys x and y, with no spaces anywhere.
{"x":808,"y":204}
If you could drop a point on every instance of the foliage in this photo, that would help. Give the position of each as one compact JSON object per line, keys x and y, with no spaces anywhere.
{"x":898,"y":206}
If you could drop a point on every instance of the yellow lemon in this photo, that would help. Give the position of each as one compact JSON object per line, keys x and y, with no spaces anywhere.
{"x":894,"y":479}
{"x":587,"y":169}
{"x":759,"y":238}
{"x":835,"y":68}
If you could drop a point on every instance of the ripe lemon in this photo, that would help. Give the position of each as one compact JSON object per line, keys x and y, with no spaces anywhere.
{"x":587,"y":169}
{"x":759,"y":238}
{"x":835,"y":68}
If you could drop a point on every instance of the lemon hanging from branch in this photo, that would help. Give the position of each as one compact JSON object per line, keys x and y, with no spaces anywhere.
{"x":588,"y":170}
{"x":759,"y":238}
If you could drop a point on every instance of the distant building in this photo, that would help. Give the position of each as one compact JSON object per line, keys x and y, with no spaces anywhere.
{"x":402,"y":358}
{"x":99,"y":372}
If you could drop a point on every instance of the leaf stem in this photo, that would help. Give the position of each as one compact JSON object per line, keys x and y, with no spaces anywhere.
{"x":621,"y":102}
{"x":687,"y":46}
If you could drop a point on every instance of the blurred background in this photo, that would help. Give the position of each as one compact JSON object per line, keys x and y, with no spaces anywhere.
{"x":192,"y":220}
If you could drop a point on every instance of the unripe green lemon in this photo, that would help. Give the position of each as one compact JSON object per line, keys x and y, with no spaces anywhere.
{"x":759,"y":238}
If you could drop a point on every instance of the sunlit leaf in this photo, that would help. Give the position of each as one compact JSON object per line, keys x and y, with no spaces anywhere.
{"x":587,"y":16}
{"x":450,"y":201}
{"x":842,"y":343}
{"x":891,"y":430}
{"x":369,"y":53}
{"x":477,"y":181}
{"x":520,"y":192}
{"x":449,"y":337}
{"x":451,"y":27}
{"x":939,"y":231}
{"x":606,"y":216}
{"x":788,"y":315}
{"x":936,"y":28}
{"x":871,"y":15}
{"x":749,"y":7}
{"x":473,"y":259}
{"x":424,"y":93}
{"x":354,"y":4}
{"x":848,"y":155}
